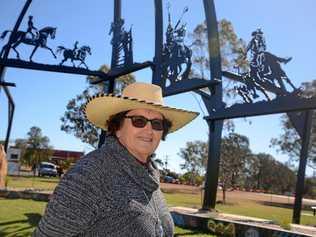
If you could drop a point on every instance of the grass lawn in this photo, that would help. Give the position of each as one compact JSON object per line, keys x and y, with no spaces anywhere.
{"x":19,"y":217}
{"x":280,"y":215}
{"x":43,"y":183}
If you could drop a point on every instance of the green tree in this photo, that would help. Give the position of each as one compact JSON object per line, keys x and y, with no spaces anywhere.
{"x":251,"y":170}
{"x":22,"y":144}
{"x":271,"y":175}
{"x":310,"y":187}
{"x":35,"y":148}
{"x":232,"y":49}
{"x":289,"y":142}
{"x":74,"y":122}
{"x":234,"y":152}
{"x":195,"y":156}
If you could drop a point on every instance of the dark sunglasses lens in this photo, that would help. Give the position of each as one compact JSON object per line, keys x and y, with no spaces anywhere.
{"x":157,"y":124}
{"x":139,"y":122}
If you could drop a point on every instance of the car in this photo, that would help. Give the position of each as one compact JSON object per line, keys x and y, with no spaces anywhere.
{"x":169,"y":179}
{"x":47,"y":169}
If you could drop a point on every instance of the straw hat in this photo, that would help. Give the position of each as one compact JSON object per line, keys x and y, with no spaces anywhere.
{"x":101,"y":107}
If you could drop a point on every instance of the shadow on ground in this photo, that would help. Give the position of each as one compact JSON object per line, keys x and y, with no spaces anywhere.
{"x":284,"y":205}
{"x":192,"y":232}
{"x":20,"y":228}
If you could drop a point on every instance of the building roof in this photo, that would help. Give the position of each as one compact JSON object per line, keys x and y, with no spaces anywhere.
{"x":63,"y":154}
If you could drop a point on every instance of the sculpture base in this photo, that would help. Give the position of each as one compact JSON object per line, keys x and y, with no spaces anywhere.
{"x":227,"y":224}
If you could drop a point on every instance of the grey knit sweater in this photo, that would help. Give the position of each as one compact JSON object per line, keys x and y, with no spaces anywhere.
{"x":107,"y":193}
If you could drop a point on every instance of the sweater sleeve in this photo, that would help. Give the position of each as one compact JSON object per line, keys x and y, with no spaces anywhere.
{"x":74,"y":205}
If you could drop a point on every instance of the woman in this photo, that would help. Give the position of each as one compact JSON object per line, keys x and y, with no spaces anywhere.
{"x":114,"y":190}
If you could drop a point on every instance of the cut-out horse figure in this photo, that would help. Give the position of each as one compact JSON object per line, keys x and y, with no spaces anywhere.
{"x":21,"y":37}
{"x":265,"y":67}
{"x":248,"y":91}
{"x":74,"y":55}
{"x":180,"y":55}
{"x":272,"y":70}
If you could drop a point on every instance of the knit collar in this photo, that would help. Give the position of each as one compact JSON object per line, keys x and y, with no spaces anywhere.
{"x":147,"y":177}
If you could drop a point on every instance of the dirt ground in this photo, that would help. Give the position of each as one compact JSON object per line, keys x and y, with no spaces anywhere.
{"x":235,"y":196}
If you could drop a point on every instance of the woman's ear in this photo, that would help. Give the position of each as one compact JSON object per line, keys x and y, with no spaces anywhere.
{"x":118,"y":133}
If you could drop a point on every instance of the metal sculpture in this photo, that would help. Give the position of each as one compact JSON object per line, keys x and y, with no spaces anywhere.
{"x":173,"y":58}
{"x":40,"y":40}
{"x":265,"y":74}
{"x":3,"y":84}
{"x":75,"y":54}
{"x":122,"y":40}
{"x":248,"y":91}
{"x":175,"y":53}
{"x":30,"y":27}
{"x":212,"y":101}
{"x":264,"y":71}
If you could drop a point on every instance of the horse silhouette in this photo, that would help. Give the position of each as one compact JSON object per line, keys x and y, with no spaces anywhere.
{"x":178,"y":56}
{"x":74,"y":55}
{"x":21,"y":37}
{"x":271,"y":70}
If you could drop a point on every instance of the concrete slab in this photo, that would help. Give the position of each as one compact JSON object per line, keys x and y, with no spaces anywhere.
{"x":236,"y":225}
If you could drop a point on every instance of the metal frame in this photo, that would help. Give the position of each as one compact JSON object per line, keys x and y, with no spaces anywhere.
{"x":114,"y":72}
{"x":213,"y":101}
{"x":284,"y":103}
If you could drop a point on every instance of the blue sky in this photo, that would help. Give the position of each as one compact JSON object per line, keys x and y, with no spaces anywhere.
{"x":40,"y":97}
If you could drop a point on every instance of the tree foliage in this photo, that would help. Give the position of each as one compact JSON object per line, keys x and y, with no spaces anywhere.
{"x":269,"y":175}
{"x":187,"y":178}
{"x":310,"y":187}
{"x":239,"y":167}
{"x":232,"y":48}
{"x":289,"y":142}
{"x":232,"y":51}
{"x":234,"y":153}
{"x":34,"y":148}
{"x":195,"y":158}
{"x":74,"y":122}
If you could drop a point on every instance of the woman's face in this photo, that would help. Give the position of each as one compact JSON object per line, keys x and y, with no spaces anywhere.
{"x":140,"y":142}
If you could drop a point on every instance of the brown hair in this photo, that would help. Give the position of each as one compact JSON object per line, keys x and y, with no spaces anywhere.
{"x":115,"y":122}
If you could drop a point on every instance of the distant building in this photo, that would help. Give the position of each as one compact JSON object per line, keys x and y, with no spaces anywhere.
{"x":13,"y":158}
{"x":57,"y":157}
{"x":62,"y":155}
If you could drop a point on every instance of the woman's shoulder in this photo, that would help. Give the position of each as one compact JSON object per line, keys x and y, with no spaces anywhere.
{"x":95,"y":163}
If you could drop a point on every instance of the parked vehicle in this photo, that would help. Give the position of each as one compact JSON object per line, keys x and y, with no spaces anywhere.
{"x":170,"y":179}
{"x":47,"y":169}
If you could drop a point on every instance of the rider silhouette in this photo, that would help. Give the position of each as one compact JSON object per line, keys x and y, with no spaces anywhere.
{"x":127,"y":47}
{"x":257,"y":47}
{"x":75,"y":50}
{"x":180,"y":34}
{"x":31,"y":27}
{"x":265,"y":66}
{"x":175,"y":52}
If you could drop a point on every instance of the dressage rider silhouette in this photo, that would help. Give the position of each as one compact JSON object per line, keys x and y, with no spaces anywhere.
{"x":31,"y":27}
{"x":75,"y":50}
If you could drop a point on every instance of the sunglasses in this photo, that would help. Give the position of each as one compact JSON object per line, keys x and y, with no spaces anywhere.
{"x":140,"y":122}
